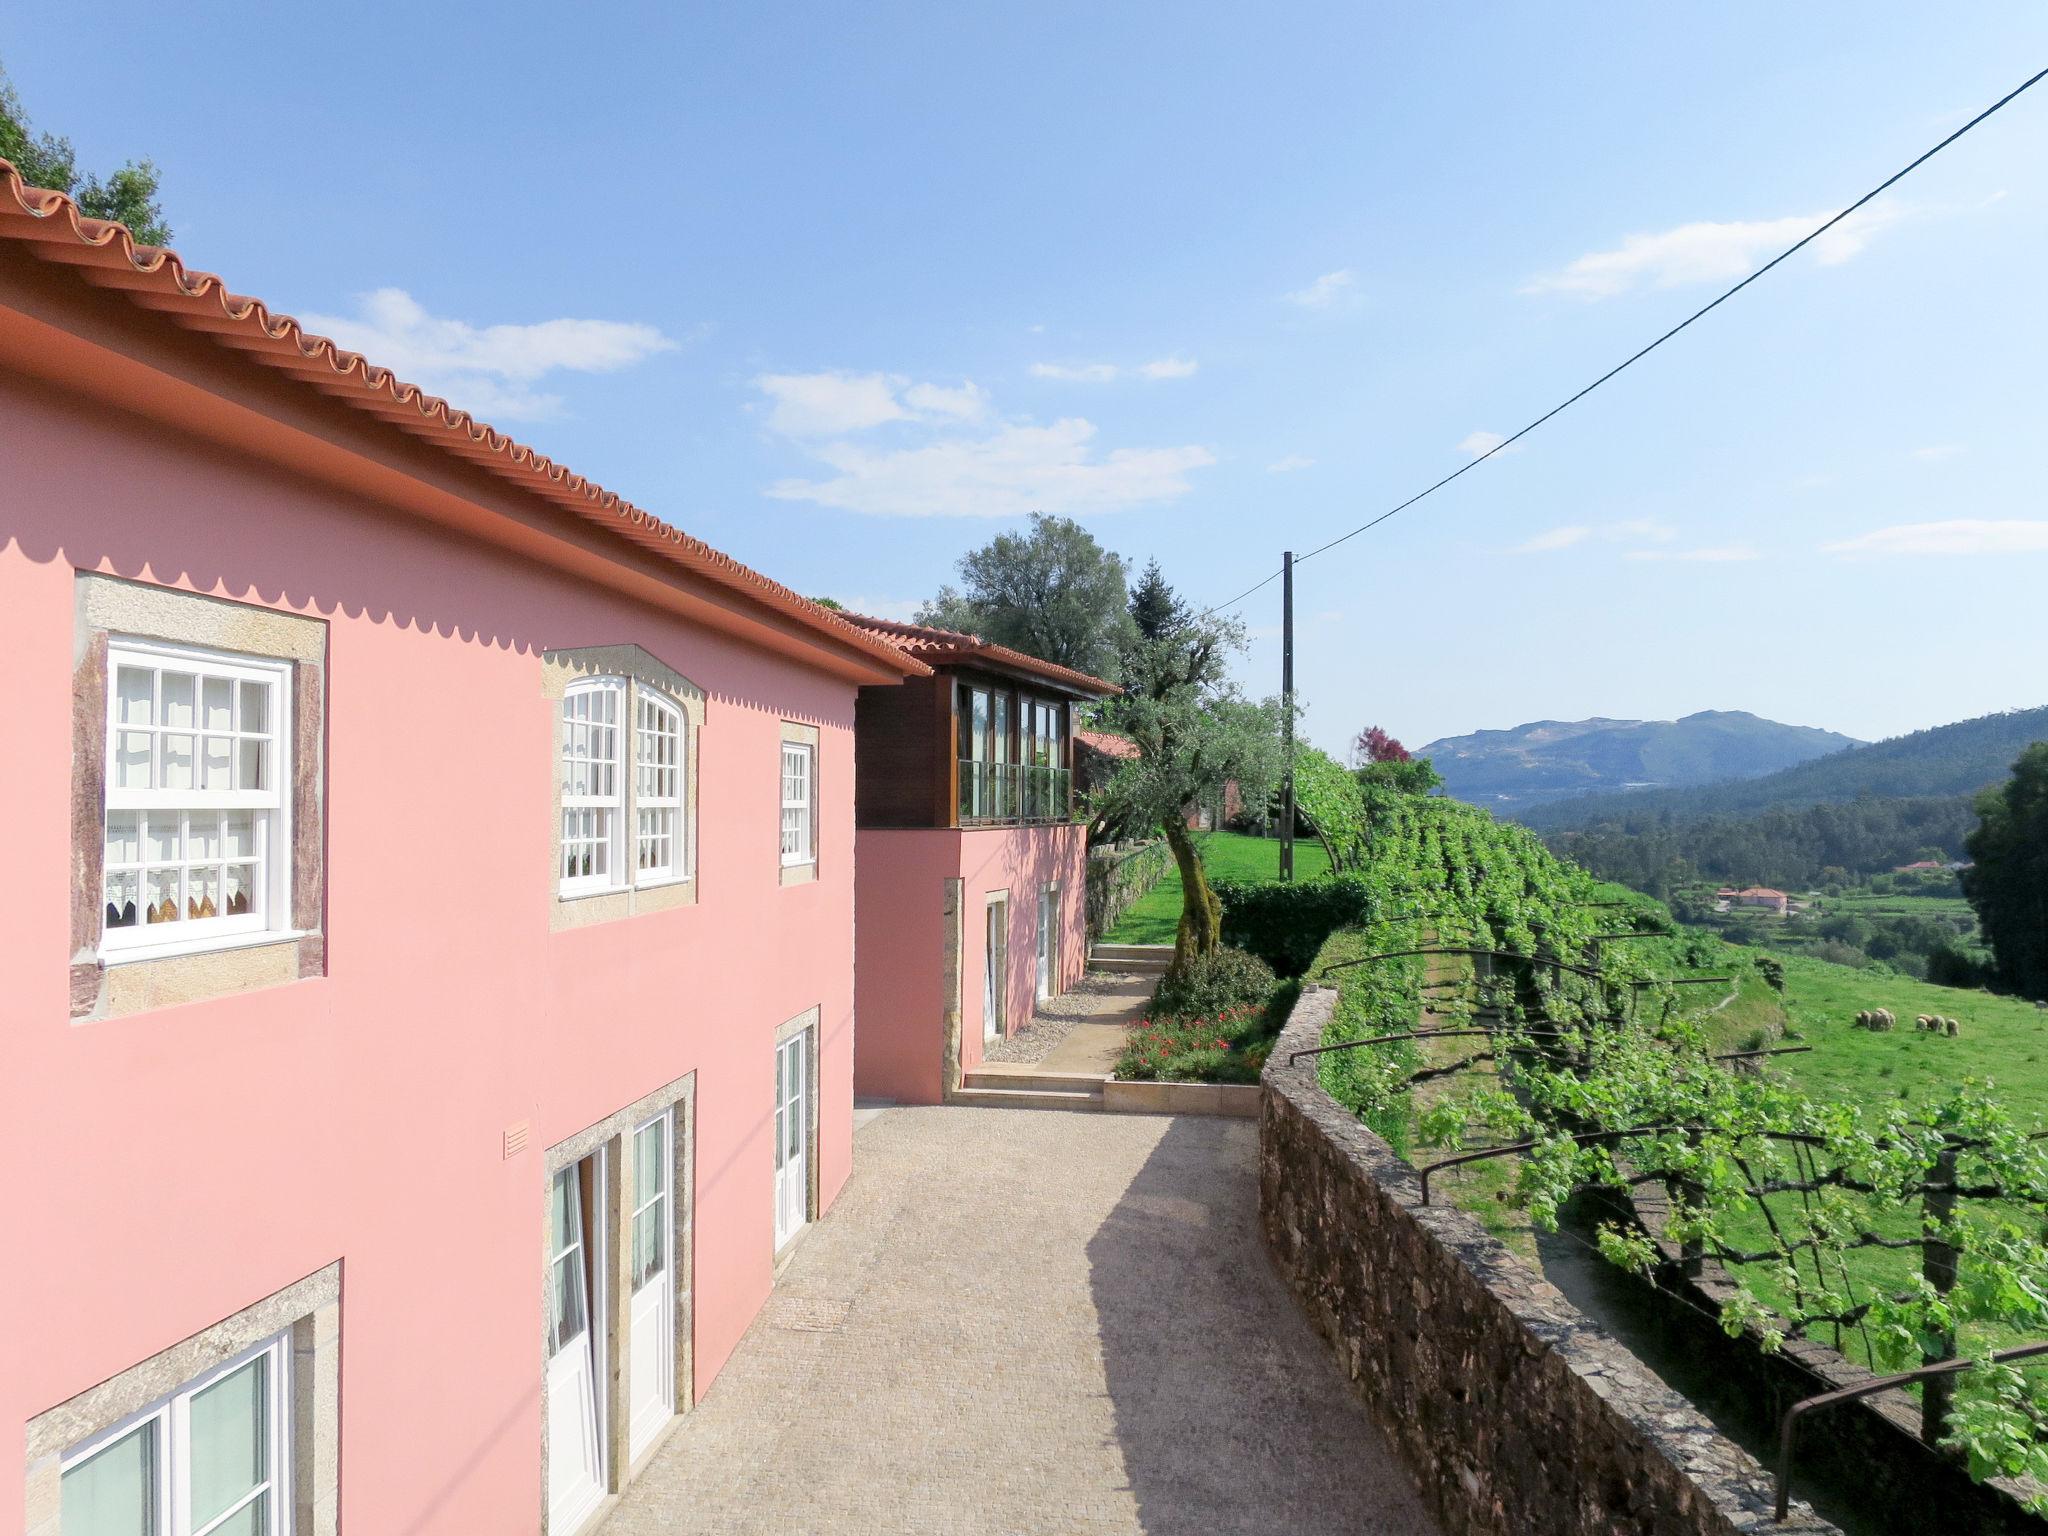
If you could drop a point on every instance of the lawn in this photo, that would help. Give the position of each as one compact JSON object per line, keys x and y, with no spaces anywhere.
{"x":1153,"y":917}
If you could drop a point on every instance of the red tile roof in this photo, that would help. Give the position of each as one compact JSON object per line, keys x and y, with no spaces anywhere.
{"x":154,"y":279}
{"x":941,"y":646}
{"x":1108,"y":743}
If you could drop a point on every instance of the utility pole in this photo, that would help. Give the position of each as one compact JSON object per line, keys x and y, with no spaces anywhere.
{"x":1287,"y":711}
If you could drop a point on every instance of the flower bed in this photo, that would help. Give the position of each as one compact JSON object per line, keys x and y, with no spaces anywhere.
{"x":1229,"y":1046}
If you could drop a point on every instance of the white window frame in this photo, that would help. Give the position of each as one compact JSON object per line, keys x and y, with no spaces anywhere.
{"x":676,"y":723}
{"x":612,"y":805}
{"x":172,"y":1490}
{"x":805,"y":851}
{"x":270,"y":808}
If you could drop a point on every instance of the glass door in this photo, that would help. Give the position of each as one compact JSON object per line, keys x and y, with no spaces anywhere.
{"x":575,"y":1444}
{"x":995,"y":995}
{"x":792,"y":1135}
{"x":651,"y":1335}
{"x":1048,"y":948}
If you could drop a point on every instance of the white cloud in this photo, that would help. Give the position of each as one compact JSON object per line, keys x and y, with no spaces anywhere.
{"x":1482,"y":442}
{"x":1708,"y":252}
{"x":1636,"y":530}
{"x":1716,"y":554}
{"x":1325,"y":291}
{"x":1109,"y":373}
{"x":1289,"y":464}
{"x":1958,"y":536}
{"x":832,"y":403}
{"x":1016,"y":469}
{"x":1934,"y":453}
{"x":1556,"y":538}
{"x":487,"y":370}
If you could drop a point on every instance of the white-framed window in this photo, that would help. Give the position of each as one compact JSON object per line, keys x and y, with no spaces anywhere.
{"x":211,"y":1459}
{"x":799,"y":792}
{"x":658,"y":768}
{"x":198,"y":836}
{"x":593,"y":785}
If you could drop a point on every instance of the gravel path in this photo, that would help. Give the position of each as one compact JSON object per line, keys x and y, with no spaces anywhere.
{"x":1016,"y":1322}
{"x":1097,"y":998}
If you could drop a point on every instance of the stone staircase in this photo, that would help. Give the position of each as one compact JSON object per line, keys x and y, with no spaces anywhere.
{"x":1131,"y":959}
{"x":1000,"y":1086}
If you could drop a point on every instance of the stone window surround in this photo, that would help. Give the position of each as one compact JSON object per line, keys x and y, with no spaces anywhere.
{"x":612,"y":1134}
{"x":310,"y":1309}
{"x":641,"y":670}
{"x":805,"y":1023}
{"x":800,"y":735}
{"x":106,"y":606}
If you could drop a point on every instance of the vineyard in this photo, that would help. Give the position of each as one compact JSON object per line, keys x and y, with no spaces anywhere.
{"x":1499,"y":998}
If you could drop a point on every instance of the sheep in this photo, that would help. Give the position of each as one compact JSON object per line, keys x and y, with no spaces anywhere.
{"x":1955,"y":1027}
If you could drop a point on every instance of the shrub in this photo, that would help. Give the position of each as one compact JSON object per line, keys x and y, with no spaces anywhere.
{"x":1218,"y":982}
{"x":1772,"y":969}
{"x":1227,"y":1047}
{"x":1285,"y":923}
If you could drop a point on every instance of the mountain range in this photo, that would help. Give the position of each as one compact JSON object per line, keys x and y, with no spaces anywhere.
{"x":1944,"y":760}
{"x":1543,"y":761}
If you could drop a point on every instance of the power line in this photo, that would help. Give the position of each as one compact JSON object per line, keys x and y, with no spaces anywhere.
{"x":1702,"y":312}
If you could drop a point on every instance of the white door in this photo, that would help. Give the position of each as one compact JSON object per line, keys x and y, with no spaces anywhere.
{"x":792,"y":1131}
{"x":575,"y":1447}
{"x":995,"y":995}
{"x":651,"y":1335}
{"x":1048,"y":946}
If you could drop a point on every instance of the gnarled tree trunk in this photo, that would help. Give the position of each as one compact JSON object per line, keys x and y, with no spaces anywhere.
{"x":1201,"y":914}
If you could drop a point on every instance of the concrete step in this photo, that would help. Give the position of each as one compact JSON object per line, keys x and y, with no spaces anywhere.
{"x":1119,"y":967}
{"x":1160,"y":952}
{"x":1028,"y":1098}
{"x":1003,"y":1075}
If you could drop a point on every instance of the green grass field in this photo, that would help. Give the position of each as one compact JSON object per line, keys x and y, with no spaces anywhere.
{"x":1153,"y":917}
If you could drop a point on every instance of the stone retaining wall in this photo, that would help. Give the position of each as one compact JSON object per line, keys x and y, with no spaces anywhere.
{"x":1519,"y":1415}
{"x":1119,"y":876}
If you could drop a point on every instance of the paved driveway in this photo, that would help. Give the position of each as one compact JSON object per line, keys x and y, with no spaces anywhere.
{"x":1027,"y":1321}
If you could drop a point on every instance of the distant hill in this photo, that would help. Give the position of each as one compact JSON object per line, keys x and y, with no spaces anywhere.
{"x":1944,"y":760}
{"x":1547,"y":760}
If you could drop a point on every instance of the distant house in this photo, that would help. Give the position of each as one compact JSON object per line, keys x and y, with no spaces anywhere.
{"x":1923,"y":867}
{"x":1726,"y":893}
{"x":1763,"y":896}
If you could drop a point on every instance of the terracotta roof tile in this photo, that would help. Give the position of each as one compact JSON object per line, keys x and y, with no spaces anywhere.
{"x":932,"y":645}
{"x":154,"y":279}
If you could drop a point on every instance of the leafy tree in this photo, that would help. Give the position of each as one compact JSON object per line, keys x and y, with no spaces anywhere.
{"x":127,"y":196}
{"x":1373,"y":745}
{"x":2008,"y":883}
{"x":1053,"y":593}
{"x":832,"y":603}
{"x":1195,"y":732}
{"x":1404,"y":775}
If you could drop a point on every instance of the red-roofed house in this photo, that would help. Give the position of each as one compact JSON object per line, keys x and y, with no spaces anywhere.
{"x":429,"y":915}
{"x":970,"y":871}
{"x":1763,"y":896}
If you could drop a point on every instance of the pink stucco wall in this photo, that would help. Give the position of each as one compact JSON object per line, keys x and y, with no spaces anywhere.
{"x":899,"y":914}
{"x":172,"y":1167}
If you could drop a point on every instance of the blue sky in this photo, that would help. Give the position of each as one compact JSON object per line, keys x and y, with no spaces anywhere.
{"x":847,"y":290}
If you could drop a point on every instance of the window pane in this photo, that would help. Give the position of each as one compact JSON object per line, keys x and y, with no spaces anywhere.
{"x":216,"y":754}
{"x":255,"y":707}
{"x":124,"y":839}
{"x":121,"y":893}
{"x":177,"y":761}
{"x":202,"y":835}
{"x":160,"y":840}
{"x":134,"y":692}
{"x":253,"y":767}
{"x":229,"y":1448}
{"x":113,"y":1493}
{"x":238,"y":886}
{"x":648,"y":1244}
{"x":252,"y":1519}
{"x":216,"y":704}
{"x":563,"y":1217}
{"x":568,"y":1300}
{"x":131,"y":760}
{"x":161,"y":892}
{"x":177,"y":699}
{"x":238,"y":832}
{"x":650,"y":1166}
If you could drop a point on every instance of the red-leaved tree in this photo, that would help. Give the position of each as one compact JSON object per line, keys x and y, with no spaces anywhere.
{"x":1374,"y":745}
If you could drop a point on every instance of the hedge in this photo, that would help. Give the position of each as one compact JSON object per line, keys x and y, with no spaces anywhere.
{"x":1285,"y":923}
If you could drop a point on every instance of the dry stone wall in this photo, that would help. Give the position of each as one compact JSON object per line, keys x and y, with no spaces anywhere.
{"x":1519,"y":1415}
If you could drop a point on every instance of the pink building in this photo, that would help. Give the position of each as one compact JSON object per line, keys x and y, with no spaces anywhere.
{"x":970,"y":871}
{"x":428,"y":962}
